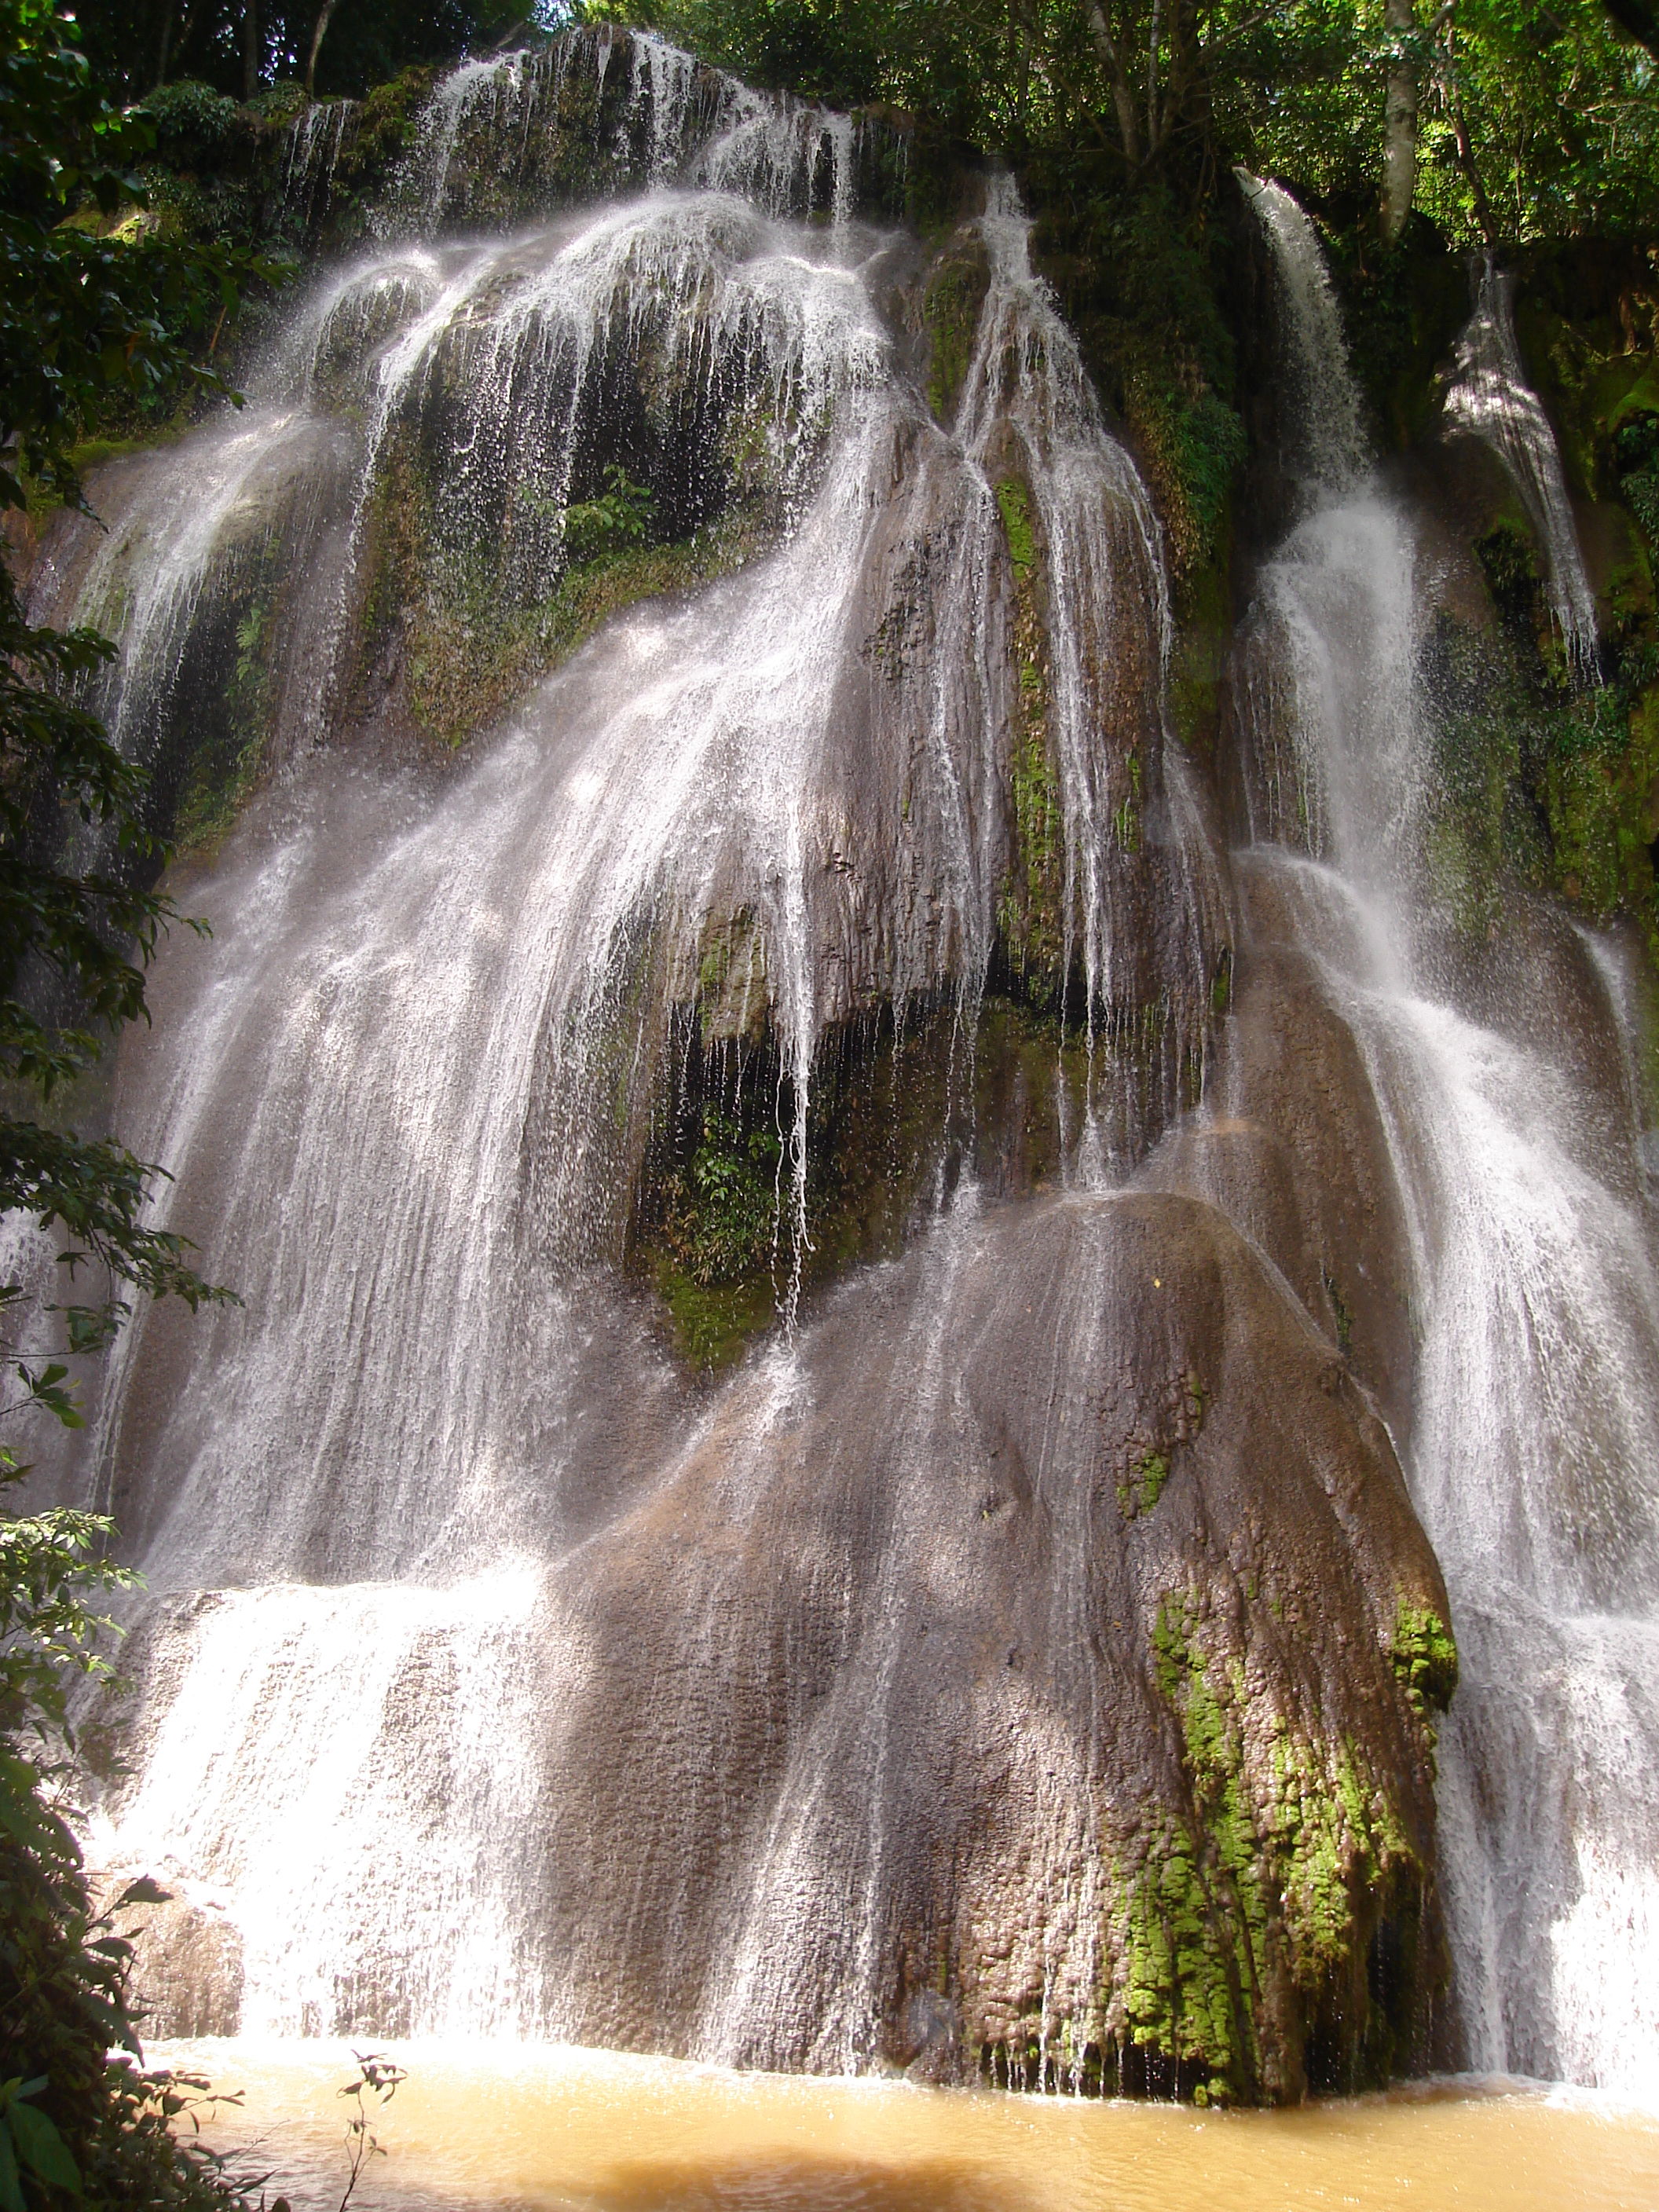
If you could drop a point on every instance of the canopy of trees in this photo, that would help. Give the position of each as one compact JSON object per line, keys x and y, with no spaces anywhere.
{"x":1530,"y":118}
{"x":241,"y":45}
{"x":1502,"y":118}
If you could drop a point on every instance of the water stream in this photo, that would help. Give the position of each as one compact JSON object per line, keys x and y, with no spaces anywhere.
{"x":1534,"y":1447}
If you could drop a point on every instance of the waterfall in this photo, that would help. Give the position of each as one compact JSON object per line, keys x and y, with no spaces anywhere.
{"x":493,"y":144}
{"x":428,"y":1715}
{"x":1106,"y":584}
{"x":1327,"y":445}
{"x":1489,"y":397}
{"x":316,"y":137}
{"x":1533,"y":1451}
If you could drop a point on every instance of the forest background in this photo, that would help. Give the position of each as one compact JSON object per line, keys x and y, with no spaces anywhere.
{"x":137,"y":148}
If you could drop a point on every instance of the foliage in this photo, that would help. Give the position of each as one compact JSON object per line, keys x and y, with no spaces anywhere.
{"x":1543,"y":121}
{"x":75,"y":2124}
{"x":724,"y":1211}
{"x":1536,"y":118}
{"x":135,"y":45}
{"x":619,"y":517}
{"x":81,"y":316}
{"x":377,"y":2077}
{"x":90,"y":306}
{"x":51,"y":1572}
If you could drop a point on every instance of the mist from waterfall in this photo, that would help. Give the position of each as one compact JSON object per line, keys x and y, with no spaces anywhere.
{"x":1533,"y":1452}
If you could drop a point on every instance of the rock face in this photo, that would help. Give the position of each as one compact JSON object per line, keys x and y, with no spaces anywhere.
{"x":808,"y":1476}
{"x":1057,"y":1672}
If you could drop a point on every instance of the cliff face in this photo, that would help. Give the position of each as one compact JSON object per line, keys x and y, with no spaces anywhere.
{"x":843,"y":1067}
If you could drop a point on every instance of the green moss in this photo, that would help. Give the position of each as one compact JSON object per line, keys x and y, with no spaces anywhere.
{"x":468,"y":651}
{"x":1342,"y":1314}
{"x":713,"y":1204}
{"x":1125,"y":816}
{"x":1014,"y":505}
{"x":1425,"y":1658}
{"x":1141,"y":280}
{"x":950,"y":311}
{"x":1259,"y":1883}
{"x":1151,"y":1476}
{"x":1599,"y":782}
{"x":1031,"y":909}
{"x":712,"y":1323}
{"x":1193,"y":444}
{"x":1203,"y":640}
{"x":224,"y":768}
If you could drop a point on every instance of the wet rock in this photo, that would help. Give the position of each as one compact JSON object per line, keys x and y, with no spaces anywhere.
{"x":1057,"y":1673}
{"x":1293,"y":1150}
{"x":186,"y":1961}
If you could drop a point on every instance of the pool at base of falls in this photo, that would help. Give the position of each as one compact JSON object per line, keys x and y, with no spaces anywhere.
{"x":525,"y":2128}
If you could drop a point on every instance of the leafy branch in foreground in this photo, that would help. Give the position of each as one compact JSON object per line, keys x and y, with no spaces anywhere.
{"x":90,"y":314}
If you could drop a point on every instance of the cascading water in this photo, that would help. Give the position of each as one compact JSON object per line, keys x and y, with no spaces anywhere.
{"x":1327,"y":446}
{"x":1489,"y":397}
{"x":420,"y":1722}
{"x":1023,"y":1658}
{"x":1533,"y":1451}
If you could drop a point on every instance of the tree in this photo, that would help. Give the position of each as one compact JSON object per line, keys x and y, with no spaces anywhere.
{"x":88,"y":314}
{"x":1399,"y":119}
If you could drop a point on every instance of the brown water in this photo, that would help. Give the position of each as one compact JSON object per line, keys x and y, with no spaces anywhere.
{"x":511,"y":2128}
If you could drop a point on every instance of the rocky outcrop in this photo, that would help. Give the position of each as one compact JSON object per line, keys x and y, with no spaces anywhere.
{"x":1062,"y":1686}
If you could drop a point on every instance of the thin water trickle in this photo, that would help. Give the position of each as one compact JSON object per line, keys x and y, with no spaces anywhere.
{"x":1490,"y":398}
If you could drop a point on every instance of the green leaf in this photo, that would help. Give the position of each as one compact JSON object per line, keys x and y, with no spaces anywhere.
{"x":145,"y":1891}
{"x":42,"y":2149}
{"x":11,"y":2185}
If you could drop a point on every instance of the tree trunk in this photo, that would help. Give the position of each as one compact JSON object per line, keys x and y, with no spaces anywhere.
{"x":1122,"y":98}
{"x":250,"y":48}
{"x":168,"y":13}
{"x":1399,"y":127}
{"x":323,"y":15}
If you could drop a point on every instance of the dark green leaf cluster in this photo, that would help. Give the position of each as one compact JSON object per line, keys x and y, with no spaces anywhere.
{"x":620,"y":517}
{"x":93,"y":305}
{"x":84,"y":311}
{"x":78,"y":2127}
{"x":135,"y":45}
{"x":724,"y":1207}
{"x":92,"y":302}
{"x":1536,"y":119}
